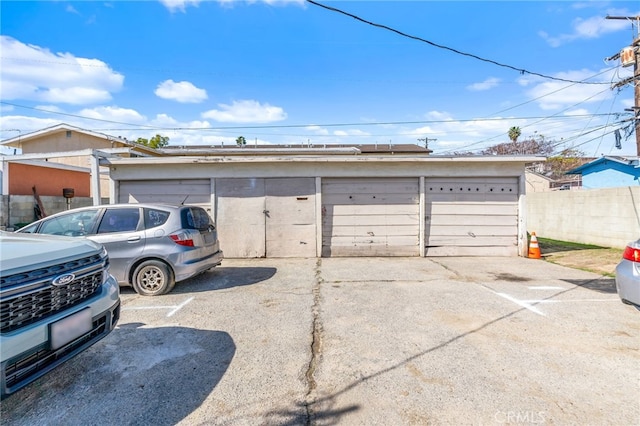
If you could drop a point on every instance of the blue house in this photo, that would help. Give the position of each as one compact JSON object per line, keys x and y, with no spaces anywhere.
{"x":609,"y":172}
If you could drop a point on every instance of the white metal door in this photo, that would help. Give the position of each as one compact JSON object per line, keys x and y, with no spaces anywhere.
{"x":471,"y":216}
{"x":266,"y":217}
{"x":370,"y":217}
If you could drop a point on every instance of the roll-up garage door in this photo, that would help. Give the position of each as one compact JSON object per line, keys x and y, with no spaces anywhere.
{"x":174,"y":191}
{"x":471,"y":216}
{"x":370,"y":217}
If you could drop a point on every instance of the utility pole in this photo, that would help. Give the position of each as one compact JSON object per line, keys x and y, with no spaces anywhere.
{"x":426,"y":141}
{"x":631,"y":56}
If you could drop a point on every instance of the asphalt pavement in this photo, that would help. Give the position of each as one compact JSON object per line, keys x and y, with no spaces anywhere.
{"x":357,"y":341}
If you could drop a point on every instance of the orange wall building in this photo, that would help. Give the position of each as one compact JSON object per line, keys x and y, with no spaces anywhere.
{"x":47,"y":180}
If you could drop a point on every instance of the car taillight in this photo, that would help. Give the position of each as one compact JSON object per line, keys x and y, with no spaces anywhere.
{"x":632,"y":254}
{"x":182,"y":239}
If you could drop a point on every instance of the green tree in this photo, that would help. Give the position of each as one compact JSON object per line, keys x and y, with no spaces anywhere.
{"x":240,"y":140}
{"x":514,"y":133}
{"x":158,"y":141}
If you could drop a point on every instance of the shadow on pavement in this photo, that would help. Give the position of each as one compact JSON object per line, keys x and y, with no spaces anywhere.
{"x":601,"y":285}
{"x":222,"y":277}
{"x":136,"y":375}
{"x":305,"y":416}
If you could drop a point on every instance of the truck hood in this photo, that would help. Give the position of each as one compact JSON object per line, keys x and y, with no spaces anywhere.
{"x":20,"y":252}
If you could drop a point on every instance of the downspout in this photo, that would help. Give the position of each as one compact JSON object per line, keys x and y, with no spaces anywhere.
{"x":422,"y":224}
{"x":95,"y":177}
{"x":5,"y":191}
{"x":523,"y":242}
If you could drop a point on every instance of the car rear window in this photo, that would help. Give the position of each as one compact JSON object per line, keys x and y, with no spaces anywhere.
{"x":195,"y":218}
{"x":154,"y":217}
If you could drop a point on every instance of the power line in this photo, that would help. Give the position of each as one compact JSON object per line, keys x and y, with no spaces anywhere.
{"x":543,"y":119}
{"x":137,"y":126}
{"x":520,"y":70}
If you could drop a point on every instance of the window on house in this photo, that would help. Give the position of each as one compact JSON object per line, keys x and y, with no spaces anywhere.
{"x":68,"y":133}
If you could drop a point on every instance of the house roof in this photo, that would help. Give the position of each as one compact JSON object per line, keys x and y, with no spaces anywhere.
{"x":631,"y":162}
{"x":17,"y":140}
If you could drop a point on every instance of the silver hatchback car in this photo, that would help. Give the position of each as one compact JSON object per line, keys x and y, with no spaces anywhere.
{"x":628,"y":275}
{"x":150,"y":246}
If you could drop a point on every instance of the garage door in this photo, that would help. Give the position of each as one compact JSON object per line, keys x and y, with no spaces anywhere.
{"x":471,"y":216}
{"x":266,"y":217}
{"x":370,"y":217}
{"x":175,"y":191}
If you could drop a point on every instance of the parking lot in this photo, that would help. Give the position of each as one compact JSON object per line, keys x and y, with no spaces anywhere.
{"x":357,"y":341}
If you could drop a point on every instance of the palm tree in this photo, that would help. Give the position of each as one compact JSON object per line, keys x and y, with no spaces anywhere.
{"x":514,"y":133}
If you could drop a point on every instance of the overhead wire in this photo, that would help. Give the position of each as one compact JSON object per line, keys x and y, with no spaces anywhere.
{"x":535,"y":122}
{"x":137,"y":126}
{"x":610,"y":109}
{"x":403,"y":34}
{"x":521,"y":70}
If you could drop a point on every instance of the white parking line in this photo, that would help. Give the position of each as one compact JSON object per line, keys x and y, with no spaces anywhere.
{"x":174,"y":309}
{"x":572,"y":300}
{"x":521,"y":303}
{"x":545,"y":287}
{"x":180,"y":306}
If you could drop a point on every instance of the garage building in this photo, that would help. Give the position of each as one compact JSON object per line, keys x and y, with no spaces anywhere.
{"x":319,"y":202}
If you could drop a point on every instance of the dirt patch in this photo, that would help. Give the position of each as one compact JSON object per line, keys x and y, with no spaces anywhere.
{"x":600,"y":260}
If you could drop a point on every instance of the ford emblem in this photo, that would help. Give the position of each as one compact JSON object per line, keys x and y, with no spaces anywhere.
{"x":63,"y":280}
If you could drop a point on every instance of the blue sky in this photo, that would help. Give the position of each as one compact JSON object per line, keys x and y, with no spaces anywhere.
{"x":291,"y":72}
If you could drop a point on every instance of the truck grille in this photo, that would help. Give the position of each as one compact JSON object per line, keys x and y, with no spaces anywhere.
{"x":29,"y":297}
{"x":32,"y":365}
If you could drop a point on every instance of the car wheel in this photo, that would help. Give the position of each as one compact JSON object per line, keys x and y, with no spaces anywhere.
{"x":153,"y":278}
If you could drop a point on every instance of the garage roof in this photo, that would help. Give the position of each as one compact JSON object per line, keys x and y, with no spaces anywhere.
{"x":321,"y":157}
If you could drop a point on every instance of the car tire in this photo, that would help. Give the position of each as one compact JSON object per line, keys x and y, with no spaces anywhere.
{"x":153,"y":278}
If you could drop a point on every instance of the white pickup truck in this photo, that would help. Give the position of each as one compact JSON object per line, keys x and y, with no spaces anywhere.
{"x":57,"y":298}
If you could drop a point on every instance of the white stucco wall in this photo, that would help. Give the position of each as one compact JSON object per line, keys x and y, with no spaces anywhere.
{"x":608,"y":217}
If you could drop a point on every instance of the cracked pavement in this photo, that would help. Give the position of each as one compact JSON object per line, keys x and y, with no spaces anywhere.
{"x":357,"y":341}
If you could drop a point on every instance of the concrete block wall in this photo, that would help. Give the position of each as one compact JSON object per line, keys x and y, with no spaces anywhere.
{"x":608,"y":217}
{"x":16,"y":209}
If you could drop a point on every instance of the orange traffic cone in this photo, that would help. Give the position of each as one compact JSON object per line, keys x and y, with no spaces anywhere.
{"x":534,"y":248}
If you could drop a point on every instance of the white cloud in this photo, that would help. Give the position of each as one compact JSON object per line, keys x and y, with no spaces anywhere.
{"x":122,"y":115}
{"x":589,"y":28}
{"x":64,"y":79}
{"x":246,"y":111}
{"x":489,"y":83}
{"x":578,"y":111}
{"x":439,"y":116}
{"x":317,"y":130}
{"x":11,"y":123}
{"x":179,"y":5}
{"x":351,"y":132}
{"x":183,"y":92}
{"x":554,"y":94}
{"x":419,"y":132}
{"x":164,"y":120}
